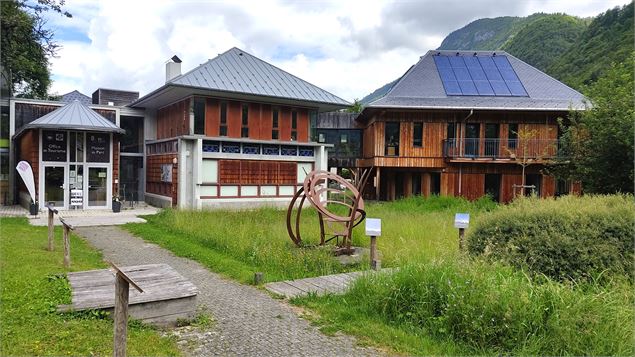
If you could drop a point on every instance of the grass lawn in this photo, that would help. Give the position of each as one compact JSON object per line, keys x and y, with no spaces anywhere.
{"x":33,"y":284}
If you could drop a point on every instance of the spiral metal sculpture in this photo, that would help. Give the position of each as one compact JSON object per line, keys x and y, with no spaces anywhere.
{"x":338,"y":192}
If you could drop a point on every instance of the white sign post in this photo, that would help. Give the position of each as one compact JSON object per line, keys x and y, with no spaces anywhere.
{"x":26,"y":173}
{"x":373,"y":229}
{"x":461,"y":221}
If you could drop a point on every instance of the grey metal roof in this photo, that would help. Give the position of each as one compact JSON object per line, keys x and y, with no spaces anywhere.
{"x":239,"y":71}
{"x":73,"y":116}
{"x":421,"y":87}
{"x":76,"y":95}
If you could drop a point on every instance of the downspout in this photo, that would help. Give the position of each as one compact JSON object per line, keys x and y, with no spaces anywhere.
{"x":461,"y":127}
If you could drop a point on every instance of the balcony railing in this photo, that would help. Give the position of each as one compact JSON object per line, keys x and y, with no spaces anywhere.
{"x":535,"y":149}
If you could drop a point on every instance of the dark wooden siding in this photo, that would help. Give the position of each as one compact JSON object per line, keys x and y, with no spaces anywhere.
{"x":174,"y":120}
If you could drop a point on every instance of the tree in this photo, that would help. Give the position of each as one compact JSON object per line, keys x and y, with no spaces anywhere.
{"x":598,"y":145}
{"x":27,"y":45}
{"x":356,"y":107}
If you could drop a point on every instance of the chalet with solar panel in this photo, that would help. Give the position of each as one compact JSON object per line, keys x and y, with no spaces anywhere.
{"x":232,"y":131}
{"x":464,"y":124}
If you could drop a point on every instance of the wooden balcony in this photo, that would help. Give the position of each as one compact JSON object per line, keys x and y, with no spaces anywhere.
{"x":501,"y":150}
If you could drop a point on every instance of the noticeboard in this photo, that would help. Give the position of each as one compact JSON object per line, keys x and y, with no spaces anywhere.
{"x":461,"y":220}
{"x":98,"y":147}
{"x":54,"y":145}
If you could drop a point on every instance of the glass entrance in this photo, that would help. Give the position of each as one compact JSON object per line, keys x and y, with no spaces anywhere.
{"x":97,"y":186}
{"x":472,"y":137}
{"x":54,"y":185}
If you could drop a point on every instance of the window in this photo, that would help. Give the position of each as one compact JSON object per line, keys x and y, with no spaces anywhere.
{"x":417,"y":135}
{"x":312,"y":124}
{"x":321,"y":138}
{"x":512,"y":135}
{"x":244,"y":132}
{"x":274,"y":124}
{"x":199,"y":115}
{"x":392,"y":139}
{"x":294,"y":125}
{"x":132,"y":141}
{"x":223,"y":119}
{"x":343,"y":138}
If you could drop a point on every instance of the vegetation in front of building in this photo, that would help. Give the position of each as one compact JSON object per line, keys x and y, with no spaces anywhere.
{"x":33,"y":284}
{"x":579,"y":238}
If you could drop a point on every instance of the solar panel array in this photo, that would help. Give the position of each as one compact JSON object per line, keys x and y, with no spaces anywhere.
{"x":479,"y":76}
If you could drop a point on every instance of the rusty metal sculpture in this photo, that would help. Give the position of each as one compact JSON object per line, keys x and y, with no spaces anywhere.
{"x":321,"y":189}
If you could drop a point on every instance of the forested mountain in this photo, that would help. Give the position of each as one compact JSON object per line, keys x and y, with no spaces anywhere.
{"x":541,"y":42}
{"x":608,"y":39}
{"x":573,"y":50}
{"x":486,"y":34}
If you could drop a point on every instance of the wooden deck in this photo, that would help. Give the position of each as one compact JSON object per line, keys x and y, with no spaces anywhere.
{"x":166,"y":296}
{"x":321,"y":285}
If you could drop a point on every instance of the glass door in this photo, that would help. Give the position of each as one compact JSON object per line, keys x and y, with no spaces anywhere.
{"x":54,"y":185}
{"x":97,"y":187}
{"x":472,"y":137}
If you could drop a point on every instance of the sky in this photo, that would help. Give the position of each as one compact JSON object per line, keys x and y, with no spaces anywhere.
{"x":347,"y":47}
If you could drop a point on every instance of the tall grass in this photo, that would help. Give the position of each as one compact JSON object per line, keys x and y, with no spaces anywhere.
{"x":486,"y":309}
{"x":238,"y":243}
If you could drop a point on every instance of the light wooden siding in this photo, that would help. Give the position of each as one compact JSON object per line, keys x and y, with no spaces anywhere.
{"x":448,"y":184}
{"x":433,"y":135}
{"x":389,"y":161}
{"x":266,"y":122}
{"x":369,"y":141}
{"x":284,"y":123}
{"x":507,"y":186}
{"x":548,"y":186}
{"x":303,"y":125}
{"x":254,"y":121}
{"x":174,"y":120}
{"x":472,"y":186}
{"x":234,"y":119}
{"x":212,"y":117}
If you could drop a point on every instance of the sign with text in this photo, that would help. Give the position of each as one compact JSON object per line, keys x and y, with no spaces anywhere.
{"x":373,"y":227}
{"x":461,"y":220}
{"x":54,"y":145}
{"x":98,"y":147}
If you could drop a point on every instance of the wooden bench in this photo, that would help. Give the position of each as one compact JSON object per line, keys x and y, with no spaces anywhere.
{"x":166,"y":297}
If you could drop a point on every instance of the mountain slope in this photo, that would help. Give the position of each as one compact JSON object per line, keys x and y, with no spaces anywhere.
{"x":542,"y":41}
{"x":608,"y":39}
{"x":486,"y":34}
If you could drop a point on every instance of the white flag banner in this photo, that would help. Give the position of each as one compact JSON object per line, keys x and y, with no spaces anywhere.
{"x":26,"y":172}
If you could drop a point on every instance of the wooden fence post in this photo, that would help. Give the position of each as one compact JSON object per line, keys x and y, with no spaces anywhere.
{"x":122,"y":295}
{"x":67,"y":243}
{"x":373,"y":253}
{"x":51,"y":211}
{"x":461,"y":238}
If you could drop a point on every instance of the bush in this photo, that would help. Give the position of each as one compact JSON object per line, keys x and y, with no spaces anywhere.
{"x":566,"y":238}
{"x":495,"y":309}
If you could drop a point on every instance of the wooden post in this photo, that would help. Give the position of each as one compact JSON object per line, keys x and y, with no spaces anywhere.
{"x":67,"y":247}
{"x":51,"y":231}
{"x":373,"y":252}
{"x":122,"y":287}
{"x":461,"y":237}
{"x":121,"y":315}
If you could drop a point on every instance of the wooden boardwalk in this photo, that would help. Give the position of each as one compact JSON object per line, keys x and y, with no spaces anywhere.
{"x":166,"y":296}
{"x":321,"y":285}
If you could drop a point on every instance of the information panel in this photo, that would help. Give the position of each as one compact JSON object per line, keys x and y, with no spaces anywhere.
{"x":54,"y":146}
{"x":98,"y":147}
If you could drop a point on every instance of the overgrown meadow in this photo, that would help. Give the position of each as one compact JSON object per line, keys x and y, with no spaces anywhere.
{"x":442,"y":301}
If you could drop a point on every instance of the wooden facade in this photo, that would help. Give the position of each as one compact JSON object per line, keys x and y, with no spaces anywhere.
{"x":405,"y":169}
{"x":176,"y":119}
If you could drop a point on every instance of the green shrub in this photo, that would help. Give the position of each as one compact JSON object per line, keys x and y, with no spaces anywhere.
{"x":495,"y":309}
{"x":566,"y":238}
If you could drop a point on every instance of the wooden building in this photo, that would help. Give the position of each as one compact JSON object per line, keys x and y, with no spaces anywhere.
{"x":464,"y":124}
{"x":234,"y":131}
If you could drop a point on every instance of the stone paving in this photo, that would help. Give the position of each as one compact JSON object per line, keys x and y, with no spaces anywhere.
{"x":248,"y":322}
{"x":96,"y":217}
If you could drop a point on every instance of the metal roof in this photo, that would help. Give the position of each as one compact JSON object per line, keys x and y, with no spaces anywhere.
{"x":73,"y":116}
{"x":76,"y":95}
{"x":422,"y":88}
{"x":239,"y":72}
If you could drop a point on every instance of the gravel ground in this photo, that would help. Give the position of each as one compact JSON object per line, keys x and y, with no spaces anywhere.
{"x":248,"y":322}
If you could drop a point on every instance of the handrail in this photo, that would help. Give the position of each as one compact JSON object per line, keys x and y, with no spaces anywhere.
{"x":472,"y":148}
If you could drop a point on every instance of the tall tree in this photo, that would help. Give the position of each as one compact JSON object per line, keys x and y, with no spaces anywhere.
{"x":27,"y":45}
{"x":598,"y":144}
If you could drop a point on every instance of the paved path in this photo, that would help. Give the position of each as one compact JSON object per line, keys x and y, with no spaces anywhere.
{"x":248,"y":322}
{"x":98,"y":217}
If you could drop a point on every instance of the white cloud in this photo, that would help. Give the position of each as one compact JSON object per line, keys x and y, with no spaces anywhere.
{"x":347,"y":47}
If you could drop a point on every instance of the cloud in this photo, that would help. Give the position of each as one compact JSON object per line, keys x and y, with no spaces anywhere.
{"x":347,"y":47}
